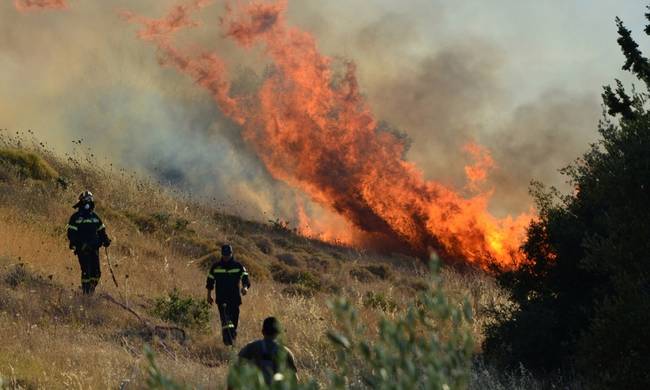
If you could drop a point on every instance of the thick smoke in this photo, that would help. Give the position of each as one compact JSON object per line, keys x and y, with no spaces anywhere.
{"x":81,"y":74}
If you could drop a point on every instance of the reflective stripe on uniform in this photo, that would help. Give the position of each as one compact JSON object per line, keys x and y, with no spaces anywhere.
{"x":244,"y":273}
{"x":219,"y":271}
{"x":234,"y":271}
{"x":210,"y":276}
{"x":101,"y":227}
{"x":70,"y":227}
{"x":228,"y":326}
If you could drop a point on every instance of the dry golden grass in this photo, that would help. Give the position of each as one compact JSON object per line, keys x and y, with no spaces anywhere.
{"x":52,"y":337}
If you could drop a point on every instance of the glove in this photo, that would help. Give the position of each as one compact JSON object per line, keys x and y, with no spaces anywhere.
{"x":72,"y":246}
{"x":244,"y":291}
{"x":107,"y":242}
{"x":210,"y":300}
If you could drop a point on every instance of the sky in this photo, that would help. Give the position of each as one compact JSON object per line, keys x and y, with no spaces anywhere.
{"x":522,"y":78}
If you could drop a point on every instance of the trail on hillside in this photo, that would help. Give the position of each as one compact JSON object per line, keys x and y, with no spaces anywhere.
{"x":313,"y":129}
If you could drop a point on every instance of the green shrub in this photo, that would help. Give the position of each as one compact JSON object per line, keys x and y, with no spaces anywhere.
{"x":378,"y":301}
{"x":28,"y":164}
{"x":584,"y":293}
{"x":183,"y":311}
{"x":428,"y":347}
{"x":156,"y":379}
{"x":285,"y":275}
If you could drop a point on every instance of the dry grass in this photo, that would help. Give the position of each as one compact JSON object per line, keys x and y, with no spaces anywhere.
{"x":52,"y":337}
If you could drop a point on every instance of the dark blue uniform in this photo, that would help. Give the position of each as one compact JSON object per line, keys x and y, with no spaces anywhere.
{"x":225,"y":277}
{"x":87,"y":234}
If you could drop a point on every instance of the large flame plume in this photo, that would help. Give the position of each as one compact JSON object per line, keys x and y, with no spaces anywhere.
{"x":37,"y":5}
{"x":313,"y":129}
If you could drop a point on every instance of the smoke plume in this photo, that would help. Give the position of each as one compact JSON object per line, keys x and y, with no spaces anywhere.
{"x":429,"y":83}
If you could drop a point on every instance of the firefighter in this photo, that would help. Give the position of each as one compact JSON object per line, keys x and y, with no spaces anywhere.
{"x":271,"y":358}
{"x":224,"y":277}
{"x":87,"y":234}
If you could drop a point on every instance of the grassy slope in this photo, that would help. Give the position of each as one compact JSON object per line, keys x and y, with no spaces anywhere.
{"x":52,"y":337}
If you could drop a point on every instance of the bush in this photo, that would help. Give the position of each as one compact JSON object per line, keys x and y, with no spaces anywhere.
{"x":285,"y":275}
{"x":428,"y":347}
{"x":264,"y":245}
{"x":381,"y":271}
{"x":362,"y":274}
{"x":183,"y":311}
{"x":28,"y":164}
{"x":289,"y":259}
{"x":379,"y":301}
{"x":583,"y":295}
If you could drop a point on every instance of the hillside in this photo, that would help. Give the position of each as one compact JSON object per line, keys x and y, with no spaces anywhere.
{"x":53,"y":337}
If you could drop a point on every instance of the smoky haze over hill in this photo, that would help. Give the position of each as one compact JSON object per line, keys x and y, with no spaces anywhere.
{"x":441,"y":73}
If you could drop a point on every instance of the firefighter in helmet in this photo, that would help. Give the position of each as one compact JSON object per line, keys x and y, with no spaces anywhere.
{"x":87,"y":234}
{"x":225,"y":277}
{"x":273,"y":359}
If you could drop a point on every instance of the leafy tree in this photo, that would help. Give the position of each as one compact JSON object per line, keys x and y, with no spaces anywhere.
{"x":584,"y":296}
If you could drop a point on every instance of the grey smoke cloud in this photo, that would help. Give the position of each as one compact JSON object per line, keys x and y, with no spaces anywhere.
{"x":521,"y":79}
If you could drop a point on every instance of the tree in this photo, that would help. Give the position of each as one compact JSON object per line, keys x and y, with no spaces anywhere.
{"x":583,"y":298}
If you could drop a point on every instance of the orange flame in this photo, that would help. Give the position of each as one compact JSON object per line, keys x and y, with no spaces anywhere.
{"x":317,"y":133}
{"x":36,"y":5}
{"x":477,"y":173}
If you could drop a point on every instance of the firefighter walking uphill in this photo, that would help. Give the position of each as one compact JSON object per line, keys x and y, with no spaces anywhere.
{"x":224,"y":277}
{"x":87,"y":234}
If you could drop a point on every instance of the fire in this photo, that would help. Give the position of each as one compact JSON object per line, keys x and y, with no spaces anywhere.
{"x":35,"y":5}
{"x":313,"y":130}
{"x":328,"y":228}
{"x":477,"y":173}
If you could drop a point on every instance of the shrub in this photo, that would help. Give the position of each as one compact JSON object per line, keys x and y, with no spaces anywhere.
{"x":264,"y":245}
{"x":583,"y":295}
{"x":183,"y":311}
{"x":428,"y":347}
{"x":28,"y":164}
{"x":318,"y":263}
{"x":381,"y":271}
{"x":283,"y":274}
{"x":289,"y":259}
{"x":362,"y":274}
{"x":378,"y":301}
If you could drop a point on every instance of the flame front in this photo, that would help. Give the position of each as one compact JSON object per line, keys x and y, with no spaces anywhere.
{"x":315,"y":131}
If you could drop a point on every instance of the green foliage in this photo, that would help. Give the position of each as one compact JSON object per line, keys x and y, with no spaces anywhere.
{"x":379,"y":301}
{"x":184,"y":311}
{"x":156,"y":379}
{"x":28,"y":164}
{"x":584,"y":295}
{"x":428,"y":347}
{"x":286,"y":275}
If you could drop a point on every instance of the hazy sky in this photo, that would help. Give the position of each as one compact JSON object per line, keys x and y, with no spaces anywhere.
{"x":521,"y":77}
